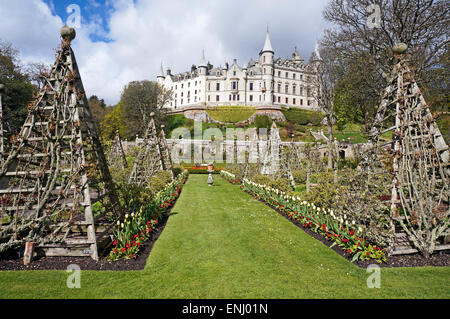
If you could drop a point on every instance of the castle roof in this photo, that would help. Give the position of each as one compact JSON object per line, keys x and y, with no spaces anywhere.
{"x":267,"y":44}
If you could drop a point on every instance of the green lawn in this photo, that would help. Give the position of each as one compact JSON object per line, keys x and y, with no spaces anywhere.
{"x":221,"y":243}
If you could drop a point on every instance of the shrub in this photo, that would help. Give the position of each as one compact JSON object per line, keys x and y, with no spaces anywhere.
{"x":262,"y":179}
{"x":303,"y":117}
{"x":299,"y":176}
{"x":263,"y":121}
{"x":231,"y":114}
{"x":177,"y":171}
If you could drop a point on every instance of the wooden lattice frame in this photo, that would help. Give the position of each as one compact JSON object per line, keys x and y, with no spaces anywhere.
{"x":420,"y":163}
{"x":153,"y":156}
{"x":54,"y":163}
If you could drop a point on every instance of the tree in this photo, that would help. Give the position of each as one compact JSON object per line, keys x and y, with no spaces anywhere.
{"x":36,"y":73}
{"x":19,"y":91}
{"x":324,"y":82}
{"x":112,"y":123}
{"x":422,"y":24}
{"x":98,"y":108}
{"x":139,"y":99}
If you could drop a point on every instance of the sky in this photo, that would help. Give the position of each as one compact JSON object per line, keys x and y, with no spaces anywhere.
{"x":119,"y":41}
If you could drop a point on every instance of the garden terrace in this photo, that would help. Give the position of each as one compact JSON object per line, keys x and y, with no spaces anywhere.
{"x":214,"y":247}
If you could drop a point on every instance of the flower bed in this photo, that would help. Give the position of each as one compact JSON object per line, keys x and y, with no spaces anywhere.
{"x":230,"y":177}
{"x":135,"y":229}
{"x":344,"y":233}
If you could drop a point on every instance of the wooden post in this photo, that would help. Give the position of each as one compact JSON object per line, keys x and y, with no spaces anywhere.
{"x":28,"y":254}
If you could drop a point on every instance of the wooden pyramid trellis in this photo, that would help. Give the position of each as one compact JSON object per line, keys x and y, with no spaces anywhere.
{"x":116,"y":156}
{"x":55,"y":167}
{"x":420,"y":167}
{"x":2,"y":146}
{"x":153,"y":156}
{"x":276,"y":160}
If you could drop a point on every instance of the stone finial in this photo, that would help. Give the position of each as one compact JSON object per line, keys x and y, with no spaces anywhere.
{"x":2,"y":88}
{"x":68,"y":33}
{"x":400,"y":48}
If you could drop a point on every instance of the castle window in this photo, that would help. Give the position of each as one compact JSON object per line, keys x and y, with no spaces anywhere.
{"x":195,"y":83}
{"x":182,"y":85}
{"x":301,"y":90}
{"x":301,"y":101}
{"x":181,"y":94}
{"x":309,"y":102}
{"x":264,"y":59}
{"x":264,"y":70}
{"x":234,"y":85}
{"x":294,"y":89}
{"x":230,"y":97}
{"x":209,"y":86}
{"x":279,"y":74}
{"x":234,"y":97}
{"x":189,"y":84}
{"x":287,"y":101}
{"x":217,"y":86}
{"x":293,"y":76}
{"x":209,"y":98}
{"x":251,"y":86}
{"x":293,"y":101}
{"x":234,"y":73}
{"x":287,"y":74}
{"x":181,"y":101}
{"x":251,"y":98}
{"x":238,"y":97}
{"x":218,"y":73}
{"x":286,"y":88}
{"x":279,"y":99}
{"x":301,"y":77}
{"x":217,"y":98}
{"x":195,"y":91}
{"x":175,"y":87}
{"x":279,"y":87}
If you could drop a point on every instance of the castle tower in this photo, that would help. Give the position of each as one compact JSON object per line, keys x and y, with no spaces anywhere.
{"x":160,"y":78}
{"x":266,"y":60}
{"x":202,"y":67}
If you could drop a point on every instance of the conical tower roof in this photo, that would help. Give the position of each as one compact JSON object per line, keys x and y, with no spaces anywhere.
{"x":202,"y":61}
{"x":267,"y":44}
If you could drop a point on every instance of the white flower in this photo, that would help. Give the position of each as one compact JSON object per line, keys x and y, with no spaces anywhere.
{"x":121,"y":225}
{"x":126,"y":216}
{"x":353,"y":222}
{"x":118,"y":223}
{"x":132,"y":214}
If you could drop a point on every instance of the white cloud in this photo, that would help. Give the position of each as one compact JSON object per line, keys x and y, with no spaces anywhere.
{"x":144,"y":33}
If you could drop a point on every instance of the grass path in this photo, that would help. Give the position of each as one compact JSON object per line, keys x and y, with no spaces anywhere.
{"x":221,"y":243}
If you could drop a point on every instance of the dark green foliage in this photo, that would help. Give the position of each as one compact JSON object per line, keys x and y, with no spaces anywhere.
{"x":299,"y":176}
{"x":303,"y":117}
{"x":263,"y":121}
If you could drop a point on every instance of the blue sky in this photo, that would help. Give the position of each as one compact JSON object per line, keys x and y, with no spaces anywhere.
{"x":91,"y":11}
{"x":125,"y":40}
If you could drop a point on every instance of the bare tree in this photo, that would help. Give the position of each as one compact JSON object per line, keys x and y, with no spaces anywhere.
{"x":139,"y":99}
{"x":364,"y":32}
{"x":37,"y":72}
{"x":324,"y":82}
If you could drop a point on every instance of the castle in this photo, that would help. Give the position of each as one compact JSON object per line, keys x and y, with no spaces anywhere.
{"x":267,"y":81}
